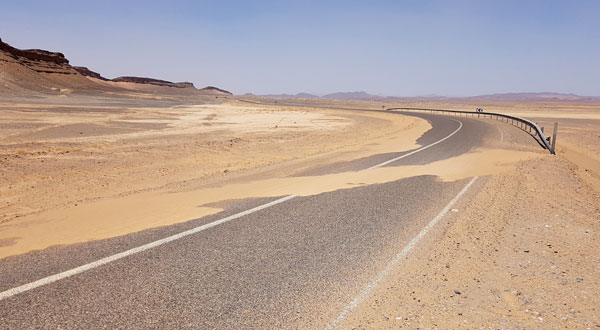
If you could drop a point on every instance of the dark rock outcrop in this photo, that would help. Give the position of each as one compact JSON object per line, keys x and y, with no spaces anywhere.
{"x":39,"y":60}
{"x":88,"y":73}
{"x":151,"y":81}
{"x":42,"y":61}
{"x":34,"y":54}
{"x":215,"y":89}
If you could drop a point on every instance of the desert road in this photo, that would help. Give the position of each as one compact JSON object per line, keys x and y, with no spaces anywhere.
{"x":283,"y":262}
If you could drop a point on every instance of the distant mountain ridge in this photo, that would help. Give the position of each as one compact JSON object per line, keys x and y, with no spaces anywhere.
{"x":352,"y":96}
{"x":536,"y":97}
{"x":501,"y":97}
{"x":338,"y":96}
{"x":289,"y":96}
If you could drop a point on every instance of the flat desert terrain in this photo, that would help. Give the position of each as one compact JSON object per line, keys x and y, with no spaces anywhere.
{"x":521,"y":254}
{"x":60,"y":163}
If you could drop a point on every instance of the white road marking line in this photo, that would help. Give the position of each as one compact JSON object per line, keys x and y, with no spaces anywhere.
{"x":501,"y":134}
{"x":363,"y":294}
{"x":103,"y":261}
{"x":420,"y":149}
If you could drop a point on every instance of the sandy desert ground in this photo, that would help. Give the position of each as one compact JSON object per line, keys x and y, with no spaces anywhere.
{"x":64,"y":163}
{"x":520,"y":254}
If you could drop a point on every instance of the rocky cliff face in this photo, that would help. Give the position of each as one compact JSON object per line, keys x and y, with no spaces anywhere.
{"x":23,"y":71}
{"x":36,"y":59}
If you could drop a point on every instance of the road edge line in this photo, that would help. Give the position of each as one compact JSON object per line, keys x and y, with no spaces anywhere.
{"x":365,"y":292}
{"x":420,"y":149}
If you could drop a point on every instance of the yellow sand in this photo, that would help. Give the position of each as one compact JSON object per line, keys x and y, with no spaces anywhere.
{"x":114,"y":217}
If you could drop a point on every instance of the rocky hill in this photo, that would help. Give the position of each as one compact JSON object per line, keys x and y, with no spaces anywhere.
{"x":33,"y":54}
{"x":84,"y":71}
{"x":36,"y":59}
{"x":151,"y":81}
{"x":213,"y":89}
{"x":28,"y":72}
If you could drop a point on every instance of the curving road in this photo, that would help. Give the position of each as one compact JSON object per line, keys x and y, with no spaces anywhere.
{"x":296,"y":263}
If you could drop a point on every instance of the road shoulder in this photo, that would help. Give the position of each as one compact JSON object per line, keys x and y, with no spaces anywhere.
{"x":522,"y":254}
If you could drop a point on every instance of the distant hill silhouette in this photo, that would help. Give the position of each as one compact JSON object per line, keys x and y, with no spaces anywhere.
{"x":289,"y":96}
{"x":536,"y":97}
{"x":352,"y":96}
{"x":503,"y":97}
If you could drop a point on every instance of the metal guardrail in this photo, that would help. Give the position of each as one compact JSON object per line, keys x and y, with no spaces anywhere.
{"x":527,"y":125}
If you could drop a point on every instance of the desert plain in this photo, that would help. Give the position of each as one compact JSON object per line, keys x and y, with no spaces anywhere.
{"x":520,"y":254}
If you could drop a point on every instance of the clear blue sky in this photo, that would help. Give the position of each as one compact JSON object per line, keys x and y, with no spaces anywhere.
{"x":401,"y":48}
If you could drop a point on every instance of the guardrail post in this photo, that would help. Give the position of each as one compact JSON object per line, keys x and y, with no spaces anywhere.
{"x":554,"y":137}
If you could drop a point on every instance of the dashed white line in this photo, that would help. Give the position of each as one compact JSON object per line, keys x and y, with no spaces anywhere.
{"x":364,"y":293}
{"x":103,"y":261}
{"x":420,"y":149}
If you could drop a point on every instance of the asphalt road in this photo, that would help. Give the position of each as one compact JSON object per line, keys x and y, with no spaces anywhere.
{"x":296,"y":264}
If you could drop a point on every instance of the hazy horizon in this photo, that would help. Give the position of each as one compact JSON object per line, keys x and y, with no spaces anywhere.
{"x":421,"y":95}
{"x":385,"y":48}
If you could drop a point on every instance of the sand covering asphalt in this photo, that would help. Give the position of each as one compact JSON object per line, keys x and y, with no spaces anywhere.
{"x":114,"y":217}
{"x":522,"y":254}
{"x":73,"y":176}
